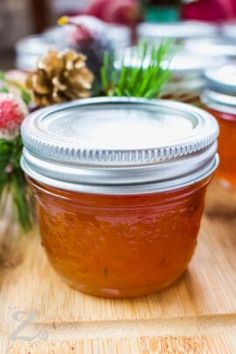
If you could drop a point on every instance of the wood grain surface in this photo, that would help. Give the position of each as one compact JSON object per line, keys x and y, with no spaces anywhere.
{"x":195,"y":315}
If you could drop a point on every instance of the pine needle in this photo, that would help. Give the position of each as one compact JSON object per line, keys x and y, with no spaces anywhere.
{"x":11,"y":176}
{"x":143,"y":76}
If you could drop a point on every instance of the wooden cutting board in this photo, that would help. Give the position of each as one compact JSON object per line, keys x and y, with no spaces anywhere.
{"x":41,"y":315}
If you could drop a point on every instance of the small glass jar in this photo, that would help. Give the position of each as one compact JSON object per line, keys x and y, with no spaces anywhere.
{"x":120,"y":187}
{"x":187,"y":80}
{"x":220,"y":100}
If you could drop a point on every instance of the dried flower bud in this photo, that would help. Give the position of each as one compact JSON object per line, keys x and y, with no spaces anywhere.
{"x":12,"y":112}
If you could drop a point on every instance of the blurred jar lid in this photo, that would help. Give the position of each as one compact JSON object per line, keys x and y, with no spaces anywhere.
{"x":221,"y":89}
{"x":183,"y":63}
{"x":176,"y":30}
{"x":29,"y":50}
{"x":229,"y":31}
{"x":214,"y":47}
{"x":222,"y":79}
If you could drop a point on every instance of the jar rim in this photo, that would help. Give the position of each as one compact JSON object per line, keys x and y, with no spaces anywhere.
{"x":222,"y":80}
{"x":219,"y":101}
{"x":220,"y":93}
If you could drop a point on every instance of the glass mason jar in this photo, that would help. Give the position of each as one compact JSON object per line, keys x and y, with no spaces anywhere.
{"x":187,"y":77}
{"x":120,"y":187}
{"x":220,"y":100}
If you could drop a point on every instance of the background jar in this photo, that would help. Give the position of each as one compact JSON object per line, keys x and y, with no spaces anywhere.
{"x":220,"y":100}
{"x":187,"y":76}
{"x":217,"y":48}
{"x":228,"y":31}
{"x":178,"y":32}
{"x":120,"y":187}
{"x":187,"y":80}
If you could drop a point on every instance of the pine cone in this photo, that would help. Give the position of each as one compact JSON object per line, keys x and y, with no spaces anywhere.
{"x":60,"y":77}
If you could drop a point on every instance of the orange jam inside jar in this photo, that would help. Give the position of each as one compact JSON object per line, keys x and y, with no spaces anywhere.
{"x":120,"y":246}
{"x":227,"y":151}
{"x":120,"y":186}
{"x":220,"y":101}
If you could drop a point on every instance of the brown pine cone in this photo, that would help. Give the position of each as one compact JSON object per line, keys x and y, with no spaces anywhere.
{"x":60,"y":77}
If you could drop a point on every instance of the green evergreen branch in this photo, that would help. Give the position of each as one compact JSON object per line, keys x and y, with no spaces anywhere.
{"x":19,"y":193}
{"x":12,"y":177}
{"x":144,"y":79}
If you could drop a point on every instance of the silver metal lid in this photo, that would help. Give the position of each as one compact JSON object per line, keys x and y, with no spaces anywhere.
{"x":185,"y":63}
{"x":222,"y":79}
{"x":176,"y":30}
{"x":119,"y":145}
{"x":214,"y":47}
{"x":221,"y":89}
{"x":219,"y":102}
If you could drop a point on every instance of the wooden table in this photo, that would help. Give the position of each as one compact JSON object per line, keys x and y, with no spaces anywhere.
{"x":195,"y":315}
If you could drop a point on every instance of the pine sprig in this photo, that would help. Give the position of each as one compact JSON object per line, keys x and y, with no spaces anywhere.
{"x":143,"y":76}
{"x":12,"y":178}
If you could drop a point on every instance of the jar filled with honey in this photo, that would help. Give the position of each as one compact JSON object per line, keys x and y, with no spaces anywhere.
{"x":120,"y":185}
{"x":220,"y":100}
